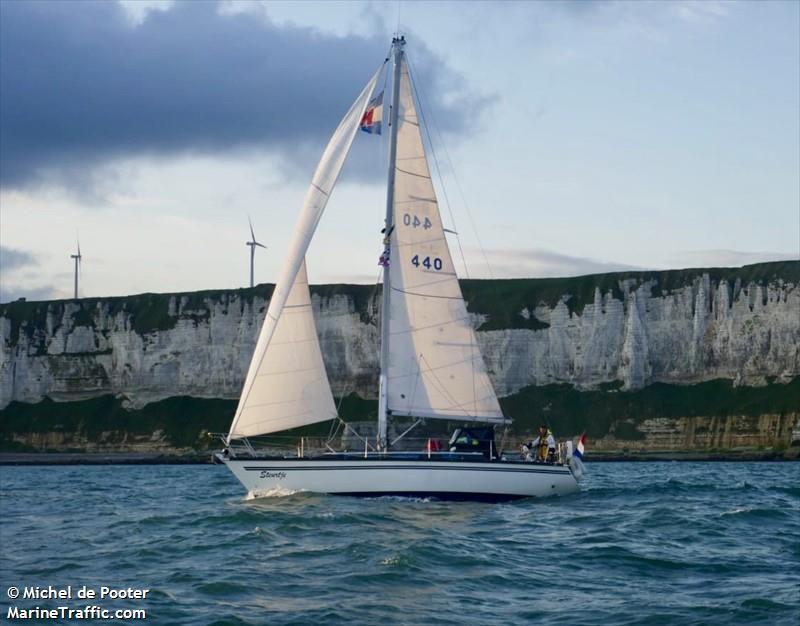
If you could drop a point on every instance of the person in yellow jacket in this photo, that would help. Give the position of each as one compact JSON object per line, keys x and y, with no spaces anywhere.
{"x":544,"y":445}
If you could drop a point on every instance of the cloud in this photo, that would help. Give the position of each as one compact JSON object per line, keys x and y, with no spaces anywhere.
{"x":84,"y":85}
{"x":12,"y":261}
{"x":9,"y":294}
{"x":700,"y":12}
{"x":540,"y":263}
{"x":10,"y":258}
{"x":728,"y":258}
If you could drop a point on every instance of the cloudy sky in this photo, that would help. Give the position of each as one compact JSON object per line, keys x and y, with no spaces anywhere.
{"x":571,"y":137}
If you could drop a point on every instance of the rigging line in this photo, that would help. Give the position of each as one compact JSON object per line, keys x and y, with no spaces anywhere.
{"x":435,"y":383}
{"x":460,"y":191}
{"x":436,"y":163}
{"x":373,"y":297}
{"x":443,"y":390}
{"x":455,"y":320}
{"x":384,"y":142}
{"x":422,"y":242}
{"x":472,"y":341}
{"x":425,"y":295}
{"x":335,"y":423}
{"x":409,"y":173}
{"x":334,"y":428}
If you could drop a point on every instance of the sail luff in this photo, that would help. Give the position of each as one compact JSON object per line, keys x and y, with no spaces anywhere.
{"x":325,"y":177}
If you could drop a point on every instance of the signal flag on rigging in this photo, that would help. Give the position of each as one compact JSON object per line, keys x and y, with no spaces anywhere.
{"x":371,"y":121}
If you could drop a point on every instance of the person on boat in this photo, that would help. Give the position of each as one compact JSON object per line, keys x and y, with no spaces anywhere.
{"x":474,"y":439}
{"x":544,"y":445}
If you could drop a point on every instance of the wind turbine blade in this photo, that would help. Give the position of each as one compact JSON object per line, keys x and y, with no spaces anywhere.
{"x":260,"y":245}
{"x":252,"y":234}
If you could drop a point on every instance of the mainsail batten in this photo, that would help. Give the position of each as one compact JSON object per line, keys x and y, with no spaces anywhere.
{"x":435,"y":368}
{"x":310,"y":404}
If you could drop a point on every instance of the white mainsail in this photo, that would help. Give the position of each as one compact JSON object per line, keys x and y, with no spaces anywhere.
{"x":276,"y":396}
{"x":435,"y":368}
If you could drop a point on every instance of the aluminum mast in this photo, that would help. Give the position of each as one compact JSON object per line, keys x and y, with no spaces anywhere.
{"x":397,"y":52}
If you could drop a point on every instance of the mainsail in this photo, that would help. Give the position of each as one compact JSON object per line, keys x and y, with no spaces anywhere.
{"x":435,"y":368}
{"x":278,"y":392}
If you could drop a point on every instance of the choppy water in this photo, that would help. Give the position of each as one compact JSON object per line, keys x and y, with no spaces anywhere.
{"x":644,"y":543}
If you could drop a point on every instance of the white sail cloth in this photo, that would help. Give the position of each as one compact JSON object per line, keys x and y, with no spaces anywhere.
{"x":291,"y":386}
{"x":435,"y":368}
{"x":286,"y":385}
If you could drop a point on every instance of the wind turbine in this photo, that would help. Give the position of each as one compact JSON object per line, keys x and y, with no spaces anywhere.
{"x":77,"y":258}
{"x":253,"y":243}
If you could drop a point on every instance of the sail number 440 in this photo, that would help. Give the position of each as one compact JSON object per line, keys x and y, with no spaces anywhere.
{"x":427,"y":262}
{"x":415,"y":222}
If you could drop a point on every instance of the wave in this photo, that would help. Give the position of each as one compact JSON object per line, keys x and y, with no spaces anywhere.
{"x":757,"y":513}
{"x":671,"y":544}
{"x":275,"y":492}
{"x":222,"y":589}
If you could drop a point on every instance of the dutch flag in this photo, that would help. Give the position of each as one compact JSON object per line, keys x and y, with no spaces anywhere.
{"x":579,"y":449}
{"x":371,"y":120}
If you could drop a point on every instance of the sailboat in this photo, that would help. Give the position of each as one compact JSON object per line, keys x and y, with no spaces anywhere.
{"x":430,"y":363}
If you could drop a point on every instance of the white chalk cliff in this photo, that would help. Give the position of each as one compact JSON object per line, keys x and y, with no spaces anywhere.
{"x":200,"y":345}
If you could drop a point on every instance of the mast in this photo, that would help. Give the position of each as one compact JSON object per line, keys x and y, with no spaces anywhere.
{"x":397,"y":52}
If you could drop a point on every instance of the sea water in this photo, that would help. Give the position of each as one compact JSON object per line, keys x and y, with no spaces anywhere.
{"x":643,"y":543}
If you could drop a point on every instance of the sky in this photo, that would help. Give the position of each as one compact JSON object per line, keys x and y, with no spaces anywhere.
{"x":567,"y":138}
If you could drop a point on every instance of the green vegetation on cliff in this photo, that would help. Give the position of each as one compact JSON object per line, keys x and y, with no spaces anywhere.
{"x":568,"y":410}
{"x":501,"y":300}
{"x":181,"y":419}
{"x":184,"y":420}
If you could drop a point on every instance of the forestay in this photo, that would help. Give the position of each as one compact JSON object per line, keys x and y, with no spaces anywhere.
{"x":435,"y":368}
{"x":273,"y":367}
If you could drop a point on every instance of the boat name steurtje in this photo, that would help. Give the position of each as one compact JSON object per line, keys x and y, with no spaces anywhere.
{"x":278,"y":475}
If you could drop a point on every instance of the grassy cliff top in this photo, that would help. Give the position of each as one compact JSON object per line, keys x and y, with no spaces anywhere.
{"x":503,"y":299}
{"x":500,"y":299}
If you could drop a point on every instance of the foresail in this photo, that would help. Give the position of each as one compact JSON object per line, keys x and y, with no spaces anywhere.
{"x":435,"y":366}
{"x":291,"y":386}
{"x":256,"y":413}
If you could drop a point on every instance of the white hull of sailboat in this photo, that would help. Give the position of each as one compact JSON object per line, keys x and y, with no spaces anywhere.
{"x":446,"y":480}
